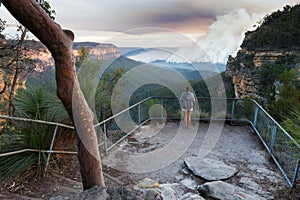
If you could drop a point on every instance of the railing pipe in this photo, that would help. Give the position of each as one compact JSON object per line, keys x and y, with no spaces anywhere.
{"x":105,"y":138}
{"x":255,"y":115}
{"x":125,"y":136}
{"x":257,"y":110}
{"x":232,"y":111}
{"x":161,"y":108}
{"x":276,"y":123}
{"x":121,"y":112}
{"x":37,"y":121}
{"x":51,"y":146}
{"x":272,"y":156}
{"x":35,"y":150}
{"x":274,"y":130}
{"x":139,"y":113}
{"x":296,"y":173}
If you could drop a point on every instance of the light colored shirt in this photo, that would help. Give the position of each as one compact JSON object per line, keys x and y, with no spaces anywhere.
{"x":187,"y":100}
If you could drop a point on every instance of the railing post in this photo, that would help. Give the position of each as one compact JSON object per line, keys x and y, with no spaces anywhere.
{"x":296,"y":173}
{"x":161,"y":109}
{"x":105,"y":138}
{"x":255,"y":115}
{"x":274,"y":130}
{"x":139,"y":113}
{"x":232,"y":111}
{"x":51,"y":146}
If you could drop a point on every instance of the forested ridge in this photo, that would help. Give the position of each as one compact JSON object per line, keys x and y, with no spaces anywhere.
{"x":267,"y":68}
{"x":279,"y":30}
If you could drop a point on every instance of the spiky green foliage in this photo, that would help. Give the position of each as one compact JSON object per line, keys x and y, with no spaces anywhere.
{"x":36,"y":103}
{"x":33,"y":103}
{"x":28,"y":136}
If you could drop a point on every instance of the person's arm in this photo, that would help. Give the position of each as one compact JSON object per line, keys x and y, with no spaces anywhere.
{"x":181,"y":100}
{"x":181,"y":97}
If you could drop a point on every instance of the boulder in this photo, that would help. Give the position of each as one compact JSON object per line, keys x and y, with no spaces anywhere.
{"x":146,"y":183}
{"x":225,"y":191}
{"x":251,"y":185}
{"x":168,"y":193}
{"x":172,"y":190}
{"x":189,"y":183}
{"x":210,"y":169}
{"x":92,"y":193}
{"x":190,"y":196}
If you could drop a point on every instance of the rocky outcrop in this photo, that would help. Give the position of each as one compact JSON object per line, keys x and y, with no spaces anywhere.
{"x":40,"y":54}
{"x":97,"y":51}
{"x":36,"y":51}
{"x":276,"y":43}
{"x":244,"y":70}
{"x":40,"y":58}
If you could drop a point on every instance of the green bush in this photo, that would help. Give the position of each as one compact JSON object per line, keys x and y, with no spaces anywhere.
{"x":36,"y":103}
{"x":29,"y":136}
{"x":33,"y":103}
{"x":292,"y":125}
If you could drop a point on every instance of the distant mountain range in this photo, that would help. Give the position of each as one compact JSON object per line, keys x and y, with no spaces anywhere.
{"x":158,"y":57}
{"x":113,"y":57}
{"x":191,"y":71}
{"x":148,"y":55}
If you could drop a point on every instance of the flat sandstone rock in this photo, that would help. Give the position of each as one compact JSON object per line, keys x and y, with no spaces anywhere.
{"x":209,"y":169}
{"x":225,"y":191}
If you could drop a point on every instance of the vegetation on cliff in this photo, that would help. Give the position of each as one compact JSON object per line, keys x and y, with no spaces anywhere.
{"x":280,"y":30}
{"x":267,"y":67}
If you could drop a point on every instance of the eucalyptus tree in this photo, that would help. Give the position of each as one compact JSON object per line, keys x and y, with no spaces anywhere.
{"x":15,"y":61}
{"x":59,"y":42}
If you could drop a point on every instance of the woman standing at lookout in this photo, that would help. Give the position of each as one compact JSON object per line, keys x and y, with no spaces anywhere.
{"x":187,"y":100}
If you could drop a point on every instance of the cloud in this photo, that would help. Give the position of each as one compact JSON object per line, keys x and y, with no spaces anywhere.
{"x":127,"y":14}
{"x":223,"y":21}
{"x":226,"y":34}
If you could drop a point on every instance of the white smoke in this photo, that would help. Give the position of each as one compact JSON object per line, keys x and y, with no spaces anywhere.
{"x":224,"y":37}
{"x":151,"y":55}
{"x":227,"y":33}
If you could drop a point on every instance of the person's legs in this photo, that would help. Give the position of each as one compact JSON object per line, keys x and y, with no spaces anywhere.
{"x":189,"y":118}
{"x":185,"y":117}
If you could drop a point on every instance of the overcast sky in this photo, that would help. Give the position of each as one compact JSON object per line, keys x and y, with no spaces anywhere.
{"x":217,"y":25}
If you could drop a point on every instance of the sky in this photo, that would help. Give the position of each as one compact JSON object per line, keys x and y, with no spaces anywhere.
{"x":216,"y":27}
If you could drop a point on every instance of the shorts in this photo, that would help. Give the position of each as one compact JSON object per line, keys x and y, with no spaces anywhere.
{"x":185,"y":109}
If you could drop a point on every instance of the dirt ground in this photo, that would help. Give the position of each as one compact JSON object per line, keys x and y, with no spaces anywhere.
{"x":236,"y":145}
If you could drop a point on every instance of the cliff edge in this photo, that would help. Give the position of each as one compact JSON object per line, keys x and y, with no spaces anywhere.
{"x":273,"y":47}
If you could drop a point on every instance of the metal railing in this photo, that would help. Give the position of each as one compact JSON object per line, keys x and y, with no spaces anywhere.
{"x":51,"y":127}
{"x":283,"y":149}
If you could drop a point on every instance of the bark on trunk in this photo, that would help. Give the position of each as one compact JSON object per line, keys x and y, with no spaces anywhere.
{"x":60,"y":42}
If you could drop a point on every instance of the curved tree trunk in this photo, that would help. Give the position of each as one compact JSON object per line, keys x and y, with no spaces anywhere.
{"x":60,"y":42}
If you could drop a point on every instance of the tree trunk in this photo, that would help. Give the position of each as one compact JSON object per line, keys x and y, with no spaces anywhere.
{"x":60,"y":42}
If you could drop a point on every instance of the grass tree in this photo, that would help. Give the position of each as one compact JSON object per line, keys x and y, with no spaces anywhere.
{"x":59,"y":42}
